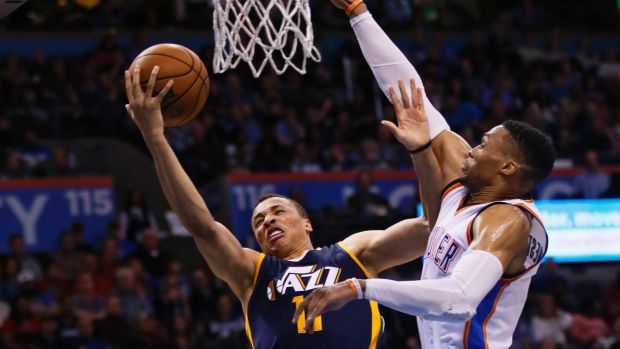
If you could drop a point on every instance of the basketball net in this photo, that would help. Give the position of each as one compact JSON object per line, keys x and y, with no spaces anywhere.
{"x":261,"y":32}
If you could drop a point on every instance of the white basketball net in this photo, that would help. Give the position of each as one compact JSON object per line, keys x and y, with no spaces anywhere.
{"x":263,"y":31}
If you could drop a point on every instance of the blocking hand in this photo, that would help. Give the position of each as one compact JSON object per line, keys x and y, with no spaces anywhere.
{"x":412,"y":130}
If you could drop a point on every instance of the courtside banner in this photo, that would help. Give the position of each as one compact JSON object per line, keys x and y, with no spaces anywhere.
{"x":582,"y":230}
{"x":42,"y":208}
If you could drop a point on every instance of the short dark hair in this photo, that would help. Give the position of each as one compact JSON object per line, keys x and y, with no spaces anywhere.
{"x":302,"y":211}
{"x":535,"y":149}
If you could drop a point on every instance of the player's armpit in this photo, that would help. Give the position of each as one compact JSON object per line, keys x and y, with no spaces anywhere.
{"x":451,"y":151}
{"x":228,"y":260}
{"x":503,"y":230}
{"x":379,"y":250}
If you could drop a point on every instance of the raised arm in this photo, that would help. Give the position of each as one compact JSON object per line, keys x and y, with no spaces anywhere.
{"x":499,"y":247}
{"x":412,"y":131}
{"x":219,"y":247}
{"x":389,"y":64}
{"x":405,"y":241}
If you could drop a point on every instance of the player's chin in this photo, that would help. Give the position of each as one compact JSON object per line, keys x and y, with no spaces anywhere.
{"x":277,"y":244}
{"x":466,"y":178}
{"x":464,"y":172}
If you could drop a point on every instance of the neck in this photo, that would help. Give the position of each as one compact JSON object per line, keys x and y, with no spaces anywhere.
{"x":298,"y":251}
{"x":487,"y":194}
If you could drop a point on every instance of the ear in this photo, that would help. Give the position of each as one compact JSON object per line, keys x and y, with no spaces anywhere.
{"x":510,"y":168}
{"x":308,"y":225}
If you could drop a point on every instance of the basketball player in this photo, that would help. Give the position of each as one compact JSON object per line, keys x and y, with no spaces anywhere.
{"x":272,"y":284}
{"x":488,"y":240}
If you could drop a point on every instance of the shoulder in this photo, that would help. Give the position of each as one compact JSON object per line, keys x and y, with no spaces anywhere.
{"x":255,"y":261}
{"x":505,"y":208}
{"x":502,"y":223}
{"x":504,"y":215}
{"x":357,"y":243}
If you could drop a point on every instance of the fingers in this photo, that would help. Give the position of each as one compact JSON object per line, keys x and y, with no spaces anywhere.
{"x":130,"y":112}
{"x":314,"y":308}
{"x":390,"y":125}
{"x":299,"y":311}
{"x":128,"y":87}
{"x":151,"y":84}
{"x":420,"y":100}
{"x":403,"y":94}
{"x":414,"y":94}
{"x":395,"y":101}
{"x":164,"y":91}
{"x":138,"y":94}
{"x":311,"y":307}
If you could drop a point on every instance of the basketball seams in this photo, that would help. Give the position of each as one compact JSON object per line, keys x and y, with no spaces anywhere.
{"x":191,"y":67}
{"x":193,"y":110}
{"x":192,"y":55}
{"x":189,"y":88}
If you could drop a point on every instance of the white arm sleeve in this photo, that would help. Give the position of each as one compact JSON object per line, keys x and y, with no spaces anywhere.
{"x":389,"y":64}
{"x":452,"y":299}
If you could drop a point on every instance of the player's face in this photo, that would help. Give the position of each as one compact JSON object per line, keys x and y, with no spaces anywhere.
{"x":279,"y":227}
{"x":486,"y":160}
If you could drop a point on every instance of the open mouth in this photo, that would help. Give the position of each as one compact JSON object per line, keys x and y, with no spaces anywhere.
{"x":274,"y":233}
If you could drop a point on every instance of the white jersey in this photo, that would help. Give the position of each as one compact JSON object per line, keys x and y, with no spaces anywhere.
{"x":498,"y":313}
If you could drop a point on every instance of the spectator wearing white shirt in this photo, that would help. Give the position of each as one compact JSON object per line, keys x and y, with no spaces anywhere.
{"x":550,"y":323}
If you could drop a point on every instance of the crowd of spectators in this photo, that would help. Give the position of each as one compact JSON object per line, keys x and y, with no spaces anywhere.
{"x":318,"y":122}
{"x":118,"y":294}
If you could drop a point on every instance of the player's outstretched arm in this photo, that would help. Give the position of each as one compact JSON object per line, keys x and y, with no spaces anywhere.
{"x":389,"y":64}
{"x":499,"y":247}
{"x":405,"y":241}
{"x":412,"y":131}
{"x":224,"y":254}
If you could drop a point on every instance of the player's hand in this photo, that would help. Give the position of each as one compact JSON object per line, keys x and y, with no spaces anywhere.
{"x":321,"y":301}
{"x":412,"y":130}
{"x":144,"y":108}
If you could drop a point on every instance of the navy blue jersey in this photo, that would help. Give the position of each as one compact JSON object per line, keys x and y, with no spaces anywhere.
{"x":281,"y":285}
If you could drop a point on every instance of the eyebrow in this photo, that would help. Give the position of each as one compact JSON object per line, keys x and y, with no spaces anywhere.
{"x":261,"y":214}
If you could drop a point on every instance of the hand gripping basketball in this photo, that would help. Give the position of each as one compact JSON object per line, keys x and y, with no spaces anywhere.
{"x":144,"y":108}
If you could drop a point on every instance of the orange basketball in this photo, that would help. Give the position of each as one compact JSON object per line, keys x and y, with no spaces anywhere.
{"x":191,"y":80}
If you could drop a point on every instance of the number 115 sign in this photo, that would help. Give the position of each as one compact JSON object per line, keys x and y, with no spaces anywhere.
{"x":41,"y":209}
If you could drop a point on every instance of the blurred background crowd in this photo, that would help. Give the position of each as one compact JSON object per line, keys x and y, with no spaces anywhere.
{"x":553,"y":76}
{"x":553,"y":64}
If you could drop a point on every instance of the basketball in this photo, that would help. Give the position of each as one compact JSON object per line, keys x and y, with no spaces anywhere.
{"x":191,"y":80}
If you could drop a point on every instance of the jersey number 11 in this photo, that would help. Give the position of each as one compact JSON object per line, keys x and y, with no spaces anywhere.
{"x":301,"y":323}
